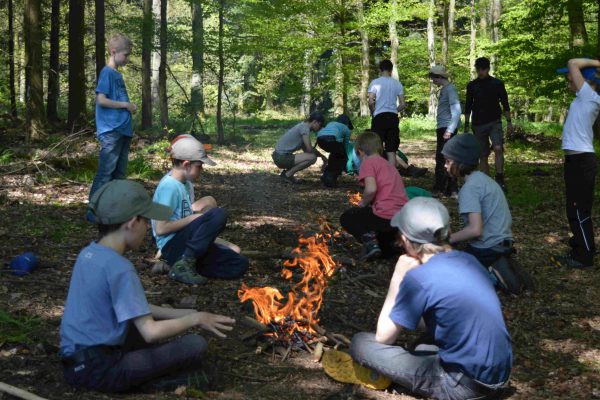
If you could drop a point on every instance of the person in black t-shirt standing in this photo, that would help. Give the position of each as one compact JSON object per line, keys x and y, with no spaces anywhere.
{"x":484,"y":97}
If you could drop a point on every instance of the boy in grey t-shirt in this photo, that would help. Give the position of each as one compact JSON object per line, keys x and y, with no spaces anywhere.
{"x":296,"y":138}
{"x":481,"y":203}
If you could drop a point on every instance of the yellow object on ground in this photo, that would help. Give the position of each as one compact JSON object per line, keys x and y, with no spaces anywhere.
{"x":342,"y":368}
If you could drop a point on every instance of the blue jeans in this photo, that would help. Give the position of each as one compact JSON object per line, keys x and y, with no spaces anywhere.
{"x":420,"y":370}
{"x":197,"y":240}
{"x":112,"y":163}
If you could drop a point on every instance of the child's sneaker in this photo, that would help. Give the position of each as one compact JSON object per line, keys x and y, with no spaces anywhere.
{"x":567,"y":261}
{"x":288,"y":179}
{"x":184,"y":271}
{"x":371,"y":248}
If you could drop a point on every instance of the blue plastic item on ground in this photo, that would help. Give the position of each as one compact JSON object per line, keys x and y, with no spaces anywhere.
{"x":24,"y":263}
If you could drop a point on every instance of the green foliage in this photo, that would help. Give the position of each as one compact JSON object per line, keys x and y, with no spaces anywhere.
{"x":141,"y":167}
{"x":17,"y":329}
{"x":6,"y":157}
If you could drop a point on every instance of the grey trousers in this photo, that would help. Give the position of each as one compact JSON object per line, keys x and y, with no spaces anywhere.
{"x":420,"y":371}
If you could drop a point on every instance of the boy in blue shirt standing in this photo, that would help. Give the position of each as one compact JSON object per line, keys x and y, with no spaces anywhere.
{"x":113,"y":116}
{"x":449,"y":293}
{"x":188,"y":240}
{"x":108,"y":331}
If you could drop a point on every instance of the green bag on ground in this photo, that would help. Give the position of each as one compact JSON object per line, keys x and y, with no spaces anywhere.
{"x":414,"y":191}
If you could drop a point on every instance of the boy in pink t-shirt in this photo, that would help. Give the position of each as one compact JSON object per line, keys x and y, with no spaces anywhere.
{"x":384,"y":196}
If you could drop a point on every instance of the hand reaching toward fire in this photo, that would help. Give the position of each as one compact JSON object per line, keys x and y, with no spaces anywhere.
{"x":214,"y":323}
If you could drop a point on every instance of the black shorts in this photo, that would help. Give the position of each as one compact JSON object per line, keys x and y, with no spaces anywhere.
{"x":386,"y":126}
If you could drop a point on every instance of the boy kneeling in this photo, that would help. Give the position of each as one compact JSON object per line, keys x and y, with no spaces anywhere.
{"x":450,"y":294}
{"x":384,"y":196}
{"x":106,"y":310}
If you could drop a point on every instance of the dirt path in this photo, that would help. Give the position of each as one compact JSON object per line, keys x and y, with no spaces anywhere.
{"x":556,"y":329}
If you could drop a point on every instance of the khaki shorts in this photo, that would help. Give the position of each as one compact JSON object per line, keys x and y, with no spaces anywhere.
{"x":284,"y":160}
{"x":490,"y":131}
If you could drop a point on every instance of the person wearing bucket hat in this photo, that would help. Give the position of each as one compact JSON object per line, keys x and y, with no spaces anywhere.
{"x":580,"y":161}
{"x":108,"y":328}
{"x":296,"y":138}
{"x":481,"y":203}
{"x":448,"y":122}
{"x":485,"y":94}
{"x":333,"y":139}
{"x":189,"y":240}
{"x":469,"y":354}
{"x":386,"y":100}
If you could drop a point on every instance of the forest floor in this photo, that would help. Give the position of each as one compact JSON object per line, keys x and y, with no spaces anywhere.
{"x":555,"y":329}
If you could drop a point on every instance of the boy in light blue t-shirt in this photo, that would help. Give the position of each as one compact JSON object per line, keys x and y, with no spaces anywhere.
{"x":189,"y":239}
{"x":113,"y":116}
{"x":111,"y":339}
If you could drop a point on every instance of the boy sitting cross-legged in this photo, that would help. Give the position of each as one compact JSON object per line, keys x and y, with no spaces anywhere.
{"x":188,"y":240}
{"x":384,"y":196}
{"x":108,"y":330}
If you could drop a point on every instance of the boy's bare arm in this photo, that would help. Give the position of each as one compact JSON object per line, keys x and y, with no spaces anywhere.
{"x":153,"y":331}
{"x":166,"y":227}
{"x":575,"y":65}
{"x":472,"y":231}
{"x":309,"y":148}
{"x":104,"y":101}
{"x":369,"y":192}
{"x":388,"y":330}
{"x":160,"y":313}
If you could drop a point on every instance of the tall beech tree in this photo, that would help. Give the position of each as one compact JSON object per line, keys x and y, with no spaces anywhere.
{"x":36,"y":117}
{"x":77,"y":84}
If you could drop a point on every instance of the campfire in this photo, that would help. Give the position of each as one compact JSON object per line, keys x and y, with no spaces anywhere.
{"x":293,"y":323}
{"x":355,"y":198}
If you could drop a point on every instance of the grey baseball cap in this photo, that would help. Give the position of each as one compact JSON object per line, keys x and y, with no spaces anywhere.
{"x":423,"y":220}
{"x":188,"y":148}
{"x":120,"y":200}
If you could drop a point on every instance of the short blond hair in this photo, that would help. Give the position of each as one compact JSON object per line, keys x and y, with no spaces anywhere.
{"x":119,"y":42}
{"x":369,"y":142}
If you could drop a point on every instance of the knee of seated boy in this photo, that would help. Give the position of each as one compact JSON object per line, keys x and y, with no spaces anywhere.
{"x":204,"y":204}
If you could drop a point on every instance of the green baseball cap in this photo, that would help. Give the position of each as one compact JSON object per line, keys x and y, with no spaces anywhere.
{"x":120,"y":200}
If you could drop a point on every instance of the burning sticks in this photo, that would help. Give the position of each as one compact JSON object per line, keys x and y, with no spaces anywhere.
{"x":354,"y":199}
{"x":292,"y":322}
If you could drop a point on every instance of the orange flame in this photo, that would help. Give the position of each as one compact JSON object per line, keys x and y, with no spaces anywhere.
{"x":305,"y":299}
{"x":355,"y":198}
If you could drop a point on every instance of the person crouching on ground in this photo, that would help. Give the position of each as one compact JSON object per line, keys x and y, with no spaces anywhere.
{"x":448,"y":293}
{"x":109,"y":332}
{"x":298,"y":137}
{"x":334,"y":138}
{"x":383,"y":196}
{"x":481,"y":203}
{"x":189,"y":239}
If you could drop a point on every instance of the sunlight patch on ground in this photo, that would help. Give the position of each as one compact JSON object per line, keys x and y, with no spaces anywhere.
{"x":252,"y":221}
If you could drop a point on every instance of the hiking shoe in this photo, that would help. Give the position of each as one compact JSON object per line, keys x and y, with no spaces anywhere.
{"x":371,"y":251}
{"x":328,"y":180}
{"x":567,"y":261}
{"x":288,"y":179}
{"x":184,"y":271}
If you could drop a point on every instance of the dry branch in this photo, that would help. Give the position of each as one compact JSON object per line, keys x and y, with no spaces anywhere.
{"x":20,"y":393}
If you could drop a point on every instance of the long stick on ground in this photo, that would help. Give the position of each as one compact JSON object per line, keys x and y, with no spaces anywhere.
{"x":20,"y":393}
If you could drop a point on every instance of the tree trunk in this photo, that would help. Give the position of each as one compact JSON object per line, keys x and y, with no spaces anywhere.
{"x":472,"y":48}
{"x":22,"y":60}
{"x":76,"y":114}
{"x":197,"y":82}
{"x":598,"y":30}
{"x":147,"y":46}
{"x":579,"y":36}
{"x":445,"y":32}
{"x":53,"y":78}
{"x":307,"y":83}
{"x":220,"y":130}
{"x":33,"y":65}
{"x":431,"y":50}
{"x":162,"y":70}
{"x":338,"y":101}
{"x":364,"y":67}
{"x":11,"y":60}
{"x":155,"y":52}
{"x":393,"y":37}
{"x":451,"y":13}
{"x":100,"y":37}
{"x":495,"y":12}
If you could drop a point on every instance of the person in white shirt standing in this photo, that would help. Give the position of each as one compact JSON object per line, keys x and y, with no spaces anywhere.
{"x":580,"y":160}
{"x":386,"y":100}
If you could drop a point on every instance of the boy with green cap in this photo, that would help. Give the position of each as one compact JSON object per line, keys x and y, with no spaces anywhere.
{"x":108,"y":331}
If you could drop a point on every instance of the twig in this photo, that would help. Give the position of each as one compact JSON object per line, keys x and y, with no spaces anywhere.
{"x":287,"y":353}
{"x":251,"y":378}
{"x":20,"y":393}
